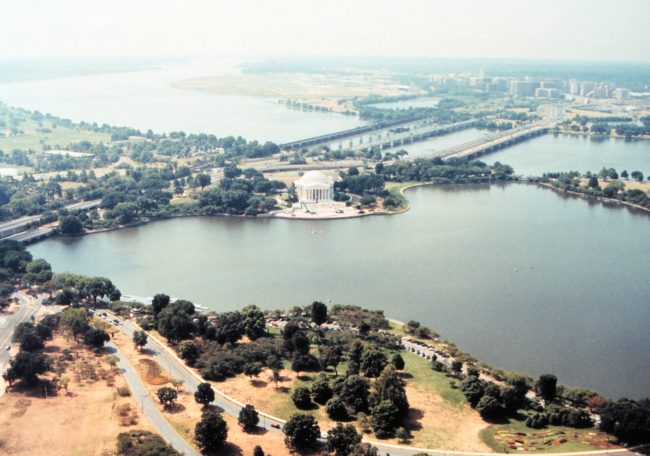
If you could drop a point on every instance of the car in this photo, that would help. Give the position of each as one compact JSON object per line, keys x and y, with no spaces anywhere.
{"x":275,"y":425}
{"x":323,"y":435}
{"x":8,"y":347}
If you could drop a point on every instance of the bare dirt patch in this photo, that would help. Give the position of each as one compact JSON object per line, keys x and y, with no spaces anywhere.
{"x":83,"y":420}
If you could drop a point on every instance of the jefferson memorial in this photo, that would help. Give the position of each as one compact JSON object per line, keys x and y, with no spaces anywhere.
{"x":315,"y":186}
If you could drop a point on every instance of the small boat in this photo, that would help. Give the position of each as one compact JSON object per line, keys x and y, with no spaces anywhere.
{"x":313,"y":232}
{"x":200,"y":307}
{"x":517,"y":269}
{"x":329,"y":300}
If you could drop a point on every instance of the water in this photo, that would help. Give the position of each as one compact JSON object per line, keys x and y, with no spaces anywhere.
{"x":551,"y":153}
{"x":450,"y":262}
{"x":145,"y":100}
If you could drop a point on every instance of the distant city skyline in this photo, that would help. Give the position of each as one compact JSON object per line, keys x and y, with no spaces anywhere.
{"x":559,"y":30}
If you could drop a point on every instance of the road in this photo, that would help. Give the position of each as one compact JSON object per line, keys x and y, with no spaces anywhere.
{"x":148,"y":407}
{"x":27,"y":307}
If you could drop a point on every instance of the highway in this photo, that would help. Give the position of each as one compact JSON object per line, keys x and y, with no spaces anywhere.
{"x":27,"y":307}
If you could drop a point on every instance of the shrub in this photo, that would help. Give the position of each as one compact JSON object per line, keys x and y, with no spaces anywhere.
{"x":335,"y":409}
{"x":123,"y":391}
{"x":301,"y":397}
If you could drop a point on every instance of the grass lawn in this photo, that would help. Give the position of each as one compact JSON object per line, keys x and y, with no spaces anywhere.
{"x":188,"y":201}
{"x":578,"y":439}
{"x":32,"y":139}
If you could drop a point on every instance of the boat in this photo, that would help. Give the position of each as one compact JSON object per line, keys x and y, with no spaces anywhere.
{"x":201,"y":308}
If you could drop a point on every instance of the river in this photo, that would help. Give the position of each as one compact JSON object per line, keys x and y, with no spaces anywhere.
{"x":450,"y":262}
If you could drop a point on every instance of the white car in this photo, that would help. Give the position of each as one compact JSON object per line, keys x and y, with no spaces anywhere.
{"x":8,"y":347}
{"x":323,"y":435}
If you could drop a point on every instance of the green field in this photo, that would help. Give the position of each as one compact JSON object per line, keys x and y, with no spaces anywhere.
{"x":34,"y":140}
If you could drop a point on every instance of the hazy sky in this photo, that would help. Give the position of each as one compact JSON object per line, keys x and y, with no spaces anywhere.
{"x":555,"y":29}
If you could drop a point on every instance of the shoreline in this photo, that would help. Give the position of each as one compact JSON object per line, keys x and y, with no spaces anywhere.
{"x":367,"y":214}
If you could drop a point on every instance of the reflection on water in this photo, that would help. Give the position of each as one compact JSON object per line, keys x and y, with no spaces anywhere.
{"x":459,"y":262}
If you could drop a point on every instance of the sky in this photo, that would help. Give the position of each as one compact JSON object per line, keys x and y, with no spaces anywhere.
{"x":597,"y":30}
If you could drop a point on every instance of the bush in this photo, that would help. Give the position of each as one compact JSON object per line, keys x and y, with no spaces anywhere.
{"x":321,"y":391}
{"x":123,"y":391}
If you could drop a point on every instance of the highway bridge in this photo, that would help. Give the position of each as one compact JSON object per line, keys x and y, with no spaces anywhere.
{"x":353,"y":133}
{"x":474,"y":149}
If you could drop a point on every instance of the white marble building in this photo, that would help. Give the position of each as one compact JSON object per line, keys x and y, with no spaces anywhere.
{"x":315,"y":186}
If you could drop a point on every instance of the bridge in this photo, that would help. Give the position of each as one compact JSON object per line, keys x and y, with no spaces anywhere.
{"x":354,"y":132}
{"x":474,"y":149}
{"x":27,"y":237}
{"x":418,"y":133}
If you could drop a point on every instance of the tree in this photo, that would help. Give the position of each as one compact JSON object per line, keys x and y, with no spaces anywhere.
{"x":597,"y":403}
{"x":473,"y":389}
{"x":385,"y":418}
{"x":411,"y":326}
{"x":202,"y":180}
{"x":248,"y":418}
{"x":74,"y":322}
{"x":252,"y":369}
{"x":373,"y":362}
{"x":353,"y":369}
{"x":188,"y":351}
{"x":204,"y":394}
{"x":71,"y":225}
{"x":456,"y":367}
{"x":402,"y":434}
{"x":489,"y":407}
{"x":365,"y":449}
{"x":159,"y":302}
{"x":335,"y":409}
{"x":593,"y":182}
{"x":20,"y":330}
{"x":96,"y":337}
{"x":166,"y":395}
{"x":30,"y":342}
{"x":258,"y":451}
{"x":546,"y":387}
{"x":254,"y":322}
{"x":63,"y":381}
{"x":302,"y":431}
{"x":321,"y":391}
{"x":175,"y":321}
{"x":355,"y":392}
{"x":629,"y":420}
{"x":318,"y":313}
{"x":301,"y":397}
{"x":637,"y":175}
{"x":342,"y":439}
{"x":397,"y":361}
{"x":139,"y":339}
{"x":27,"y":366}
{"x":331,"y":356}
{"x":111,"y":360}
{"x":276,"y":365}
{"x":43,"y":331}
{"x":211,"y":432}
{"x":176,"y":382}
{"x":624,"y":174}
{"x":390,"y":387}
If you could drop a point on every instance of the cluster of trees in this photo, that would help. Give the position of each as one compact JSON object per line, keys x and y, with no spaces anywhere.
{"x":572,"y":181}
{"x":414,"y":328}
{"x":356,"y":315}
{"x":143,"y":443}
{"x":439,"y":171}
{"x":17,"y":266}
{"x":358,"y":183}
{"x":76,"y":287}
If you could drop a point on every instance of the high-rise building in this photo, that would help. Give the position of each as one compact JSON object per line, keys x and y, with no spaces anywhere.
{"x":546,"y":93}
{"x":622,"y":94}
{"x":523,"y":88}
{"x":574,"y":87}
{"x":586,"y":88}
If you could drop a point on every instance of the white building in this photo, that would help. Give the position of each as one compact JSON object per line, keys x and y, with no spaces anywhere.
{"x":315,"y":186}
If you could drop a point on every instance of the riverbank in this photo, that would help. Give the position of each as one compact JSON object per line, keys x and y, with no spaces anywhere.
{"x":597,"y":198}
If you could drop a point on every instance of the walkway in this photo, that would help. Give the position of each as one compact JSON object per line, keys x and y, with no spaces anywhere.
{"x":148,"y":407}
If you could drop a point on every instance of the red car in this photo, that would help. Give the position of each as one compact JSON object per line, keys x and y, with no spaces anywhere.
{"x":275,"y":425}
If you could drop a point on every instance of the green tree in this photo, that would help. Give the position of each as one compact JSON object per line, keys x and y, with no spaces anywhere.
{"x":390,"y":387}
{"x":342,"y":440}
{"x":254,"y":322}
{"x":167,"y":396}
{"x":373,"y":362}
{"x":355,"y":392}
{"x":96,"y":337}
{"x":397,"y":361}
{"x":139,"y":339}
{"x":211,"y":432}
{"x":627,"y":419}
{"x":385,"y":418}
{"x":188,"y":351}
{"x":70,"y":225}
{"x":321,"y":391}
{"x":318,"y":312}
{"x":456,"y":367}
{"x":112,"y":360}
{"x":27,"y":366}
{"x":175,"y":321}
{"x":204,"y":394}
{"x":159,"y":302}
{"x":248,"y":418}
{"x":624,"y":174}
{"x":301,"y":431}
{"x":301,"y":397}
{"x":473,"y":389}
{"x":74,"y":322}
{"x":202,"y":180}
{"x":26,"y":327}
{"x":331,"y":356}
{"x":335,"y":409}
{"x":30,"y":342}
{"x":546,"y":387}
{"x":489,"y":407}
{"x":258,"y":451}
{"x":252,"y":369}
{"x":593,"y":182}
